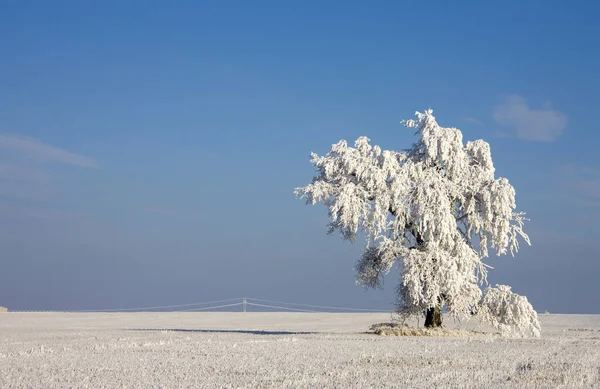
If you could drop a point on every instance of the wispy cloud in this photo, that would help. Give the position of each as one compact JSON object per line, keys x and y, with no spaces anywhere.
{"x":25,"y":173}
{"x":544,"y":124}
{"x":42,"y":151}
{"x":473,"y":120}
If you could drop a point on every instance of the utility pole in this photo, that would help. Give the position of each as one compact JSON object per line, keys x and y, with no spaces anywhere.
{"x":244,"y":304}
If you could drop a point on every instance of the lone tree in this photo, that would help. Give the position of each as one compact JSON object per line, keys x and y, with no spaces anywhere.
{"x":434,"y":210}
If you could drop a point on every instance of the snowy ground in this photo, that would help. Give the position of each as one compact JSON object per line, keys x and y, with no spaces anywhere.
{"x":282,"y":350}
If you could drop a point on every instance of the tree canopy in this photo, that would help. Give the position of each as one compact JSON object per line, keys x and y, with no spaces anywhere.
{"x":436,"y":210}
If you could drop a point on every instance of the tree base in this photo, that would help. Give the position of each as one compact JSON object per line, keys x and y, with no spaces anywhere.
{"x":433,"y":317}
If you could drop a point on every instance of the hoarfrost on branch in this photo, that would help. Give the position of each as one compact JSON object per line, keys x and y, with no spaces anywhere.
{"x":435,"y":210}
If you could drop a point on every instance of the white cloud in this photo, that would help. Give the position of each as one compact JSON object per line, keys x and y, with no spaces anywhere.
{"x":545,"y":124}
{"x":37,"y":149}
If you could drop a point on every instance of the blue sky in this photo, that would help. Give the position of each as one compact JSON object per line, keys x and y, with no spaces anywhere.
{"x":149,"y":151}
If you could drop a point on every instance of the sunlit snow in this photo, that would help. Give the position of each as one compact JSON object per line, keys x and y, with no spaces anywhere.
{"x":283,"y":350}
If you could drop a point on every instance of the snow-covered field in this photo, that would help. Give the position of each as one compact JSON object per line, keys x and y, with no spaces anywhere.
{"x":283,"y":350}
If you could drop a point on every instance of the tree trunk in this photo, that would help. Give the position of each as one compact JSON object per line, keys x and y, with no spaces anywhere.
{"x":433,"y":317}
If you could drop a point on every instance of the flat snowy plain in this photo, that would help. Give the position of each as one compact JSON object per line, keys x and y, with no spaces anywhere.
{"x":283,"y":350}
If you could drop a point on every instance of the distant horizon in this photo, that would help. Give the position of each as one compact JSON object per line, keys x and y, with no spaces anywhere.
{"x":251,"y":308}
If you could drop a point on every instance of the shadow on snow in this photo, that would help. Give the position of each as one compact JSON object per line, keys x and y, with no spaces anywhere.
{"x":251,"y":332}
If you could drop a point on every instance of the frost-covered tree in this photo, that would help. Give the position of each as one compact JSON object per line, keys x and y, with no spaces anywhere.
{"x":434,"y":210}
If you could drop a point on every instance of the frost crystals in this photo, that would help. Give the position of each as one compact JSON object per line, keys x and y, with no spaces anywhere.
{"x":435,"y":210}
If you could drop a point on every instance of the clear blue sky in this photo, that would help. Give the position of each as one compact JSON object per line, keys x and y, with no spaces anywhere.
{"x":149,"y":151}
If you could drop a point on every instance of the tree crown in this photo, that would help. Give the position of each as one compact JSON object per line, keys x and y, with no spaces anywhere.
{"x":435,"y":209}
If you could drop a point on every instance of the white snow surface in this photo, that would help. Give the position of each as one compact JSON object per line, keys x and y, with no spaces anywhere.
{"x":284,"y":350}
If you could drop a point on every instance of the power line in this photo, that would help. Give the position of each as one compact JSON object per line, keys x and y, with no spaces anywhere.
{"x":206,"y":308}
{"x":239,"y":301}
{"x":158,"y":307}
{"x":271,"y":306}
{"x":316,"y":306}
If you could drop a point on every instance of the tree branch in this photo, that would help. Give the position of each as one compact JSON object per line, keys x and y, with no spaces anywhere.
{"x":461,"y":218}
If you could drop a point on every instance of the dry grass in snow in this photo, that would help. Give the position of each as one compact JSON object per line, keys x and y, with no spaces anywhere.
{"x":284,"y":350}
{"x":397,"y":329}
